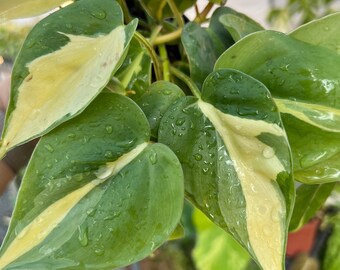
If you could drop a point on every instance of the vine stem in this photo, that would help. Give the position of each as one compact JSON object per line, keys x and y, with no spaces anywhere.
{"x":152,"y":53}
{"x":168,"y":37}
{"x":187,"y":80}
{"x":176,"y":13}
{"x":165,"y":62}
{"x":127,"y":17}
{"x":203,"y":15}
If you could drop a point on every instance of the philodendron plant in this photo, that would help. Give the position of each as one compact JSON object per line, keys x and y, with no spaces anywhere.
{"x":138,"y":109}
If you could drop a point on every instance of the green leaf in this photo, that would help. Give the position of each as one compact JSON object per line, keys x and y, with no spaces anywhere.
{"x":214,"y":249}
{"x":66,"y":60}
{"x":331,"y":258}
{"x":159,"y":9}
{"x":323,"y":32}
{"x":309,"y":199}
{"x":304,"y":79}
{"x":135,"y":72}
{"x":157,"y":100}
{"x":239,"y":25}
{"x":236,"y":161}
{"x":17,"y":9}
{"x":96,"y":193}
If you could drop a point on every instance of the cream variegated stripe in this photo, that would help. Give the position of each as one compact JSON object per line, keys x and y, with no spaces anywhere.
{"x":62,"y":83}
{"x":323,"y":117}
{"x":257,"y":168}
{"x":36,"y":232}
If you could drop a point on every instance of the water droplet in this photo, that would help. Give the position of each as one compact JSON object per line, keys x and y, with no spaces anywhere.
{"x":49,"y":148}
{"x":82,"y":235}
{"x":198,"y":157}
{"x":91,"y":211}
{"x":167,"y":92}
{"x":268,"y":152}
{"x":109,"y":129}
{"x":205,"y":170}
{"x":180,"y":121}
{"x":99,"y":14}
{"x":71,"y":135}
{"x":326,"y":28}
{"x":68,"y":26}
{"x":99,"y":250}
{"x":108,"y":154}
{"x":153,"y":157}
{"x":244,"y":111}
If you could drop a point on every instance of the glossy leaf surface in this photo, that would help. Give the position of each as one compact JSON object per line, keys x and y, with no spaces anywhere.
{"x":64,"y":63}
{"x":309,"y":199}
{"x":135,"y":72}
{"x":17,"y":9}
{"x":157,"y":100}
{"x":304,"y":79}
{"x":96,"y":193}
{"x":236,"y":161}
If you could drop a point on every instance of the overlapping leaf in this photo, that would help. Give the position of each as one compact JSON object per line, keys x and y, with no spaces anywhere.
{"x":157,"y":100}
{"x":304,"y":79}
{"x":236,"y":161}
{"x":64,"y":63}
{"x":96,"y":193}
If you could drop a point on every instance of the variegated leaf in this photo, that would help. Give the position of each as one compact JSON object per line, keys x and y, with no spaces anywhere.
{"x":96,"y":193}
{"x":304,"y":80}
{"x":66,"y":60}
{"x":236,"y":161}
{"x":16,"y":9}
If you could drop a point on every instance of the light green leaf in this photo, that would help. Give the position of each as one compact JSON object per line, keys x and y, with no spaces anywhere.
{"x":157,"y":100}
{"x":304,"y":80}
{"x":236,"y":161}
{"x":74,"y":52}
{"x":331,"y":259}
{"x":214,"y":249}
{"x":16,"y":9}
{"x":135,"y":72}
{"x":239,"y":25}
{"x":309,"y":199}
{"x":322,"y":32}
{"x":95,"y":194}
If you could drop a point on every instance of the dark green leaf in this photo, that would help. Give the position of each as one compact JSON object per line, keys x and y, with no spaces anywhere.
{"x":236,"y":161}
{"x":157,"y":100}
{"x":309,"y":199}
{"x":96,"y":193}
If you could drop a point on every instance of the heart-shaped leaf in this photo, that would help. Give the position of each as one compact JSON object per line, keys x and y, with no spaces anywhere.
{"x":96,"y":193}
{"x":66,"y":60}
{"x":236,"y":161}
{"x":304,"y":79}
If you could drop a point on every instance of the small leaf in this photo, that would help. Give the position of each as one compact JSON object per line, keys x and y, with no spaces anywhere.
{"x":135,"y":72}
{"x":66,"y":60}
{"x":17,"y":9}
{"x":96,"y":193}
{"x":322,"y":32}
{"x":304,"y":80}
{"x":236,"y":161}
{"x":331,"y":258}
{"x":239,"y":25}
{"x":309,"y":199}
{"x":157,"y":100}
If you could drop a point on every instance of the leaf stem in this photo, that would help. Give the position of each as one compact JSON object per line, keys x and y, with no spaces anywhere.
{"x":165,"y":62}
{"x":168,"y":37}
{"x":187,"y":80}
{"x":125,"y":9}
{"x":152,"y":53}
{"x":203,"y":15}
{"x":176,"y":13}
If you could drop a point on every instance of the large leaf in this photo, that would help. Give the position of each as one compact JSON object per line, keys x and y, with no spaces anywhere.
{"x":323,"y":32}
{"x":16,"y":9}
{"x":309,"y":199}
{"x":64,"y":63}
{"x":236,"y":161}
{"x":96,"y":193}
{"x":159,"y":9}
{"x":157,"y":100}
{"x":216,"y":250}
{"x":304,"y":79}
{"x":135,"y":72}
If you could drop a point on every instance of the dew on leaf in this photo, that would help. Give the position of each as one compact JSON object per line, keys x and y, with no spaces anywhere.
{"x":49,"y":148}
{"x":82,"y":235}
{"x":198,"y":157}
